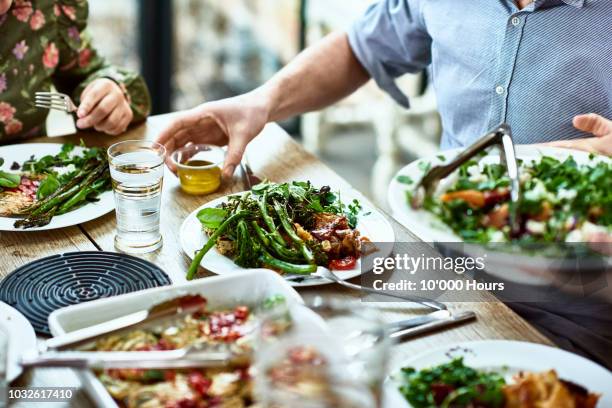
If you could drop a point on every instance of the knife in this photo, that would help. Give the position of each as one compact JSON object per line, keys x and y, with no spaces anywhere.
{"x":435,"y":323}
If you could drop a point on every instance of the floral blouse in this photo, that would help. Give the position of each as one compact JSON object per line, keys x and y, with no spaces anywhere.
{"x":44,"y":43}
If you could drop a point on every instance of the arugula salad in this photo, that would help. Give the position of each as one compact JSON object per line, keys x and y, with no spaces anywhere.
{"x":289,"y":227}
{"x":562,"y":201}
{"x":40,"y":188}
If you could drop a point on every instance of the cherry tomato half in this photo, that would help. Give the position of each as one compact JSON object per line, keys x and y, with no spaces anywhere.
{"x":348,"y":262}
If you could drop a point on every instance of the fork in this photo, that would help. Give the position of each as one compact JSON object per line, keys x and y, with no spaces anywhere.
{"x":325,"y":274}
{"x":57,"y":101}
{"x":501,"y":136}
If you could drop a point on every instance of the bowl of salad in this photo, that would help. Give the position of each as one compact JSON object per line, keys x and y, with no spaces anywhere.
{"x":565,"y":209}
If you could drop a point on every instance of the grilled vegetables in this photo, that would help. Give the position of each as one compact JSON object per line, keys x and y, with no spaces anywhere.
{"x":290,"y":227}
{"x":53,"y":185}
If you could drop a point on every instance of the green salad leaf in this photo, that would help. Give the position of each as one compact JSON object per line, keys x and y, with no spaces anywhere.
{"x":47,"y":187}
{"x":212,"y":218}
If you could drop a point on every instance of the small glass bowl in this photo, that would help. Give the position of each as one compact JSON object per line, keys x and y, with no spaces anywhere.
{"x":199,"y":168}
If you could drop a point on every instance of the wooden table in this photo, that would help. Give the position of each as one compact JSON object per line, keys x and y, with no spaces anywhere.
{"x":273,"y":155}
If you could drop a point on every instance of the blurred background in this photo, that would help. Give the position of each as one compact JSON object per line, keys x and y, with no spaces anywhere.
{"x":191,"y":51}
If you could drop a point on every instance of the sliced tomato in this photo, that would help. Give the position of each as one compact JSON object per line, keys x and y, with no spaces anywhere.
{"x":343,"y":264}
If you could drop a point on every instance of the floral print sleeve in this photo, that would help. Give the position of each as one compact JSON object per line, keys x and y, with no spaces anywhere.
{"x":45,"y":43}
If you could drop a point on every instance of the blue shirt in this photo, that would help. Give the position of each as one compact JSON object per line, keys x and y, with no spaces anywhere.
{"x":490,"y":62}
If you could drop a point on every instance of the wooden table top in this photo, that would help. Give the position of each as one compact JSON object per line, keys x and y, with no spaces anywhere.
{"x":273,"y":155}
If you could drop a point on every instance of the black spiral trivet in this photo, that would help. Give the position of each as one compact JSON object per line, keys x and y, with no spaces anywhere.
{"x":42,"y":286}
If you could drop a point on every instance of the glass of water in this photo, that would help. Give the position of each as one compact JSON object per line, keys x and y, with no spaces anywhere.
{"x":137,"y":172}
{"x":325,"y":354}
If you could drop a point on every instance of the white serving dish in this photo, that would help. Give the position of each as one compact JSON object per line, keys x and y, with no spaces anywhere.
{"x":248,"y":287}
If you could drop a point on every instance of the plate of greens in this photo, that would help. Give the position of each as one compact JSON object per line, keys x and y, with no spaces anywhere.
{"x":48,"y":185}
{"x":566,"y":198}
{"x":293,"y":228}
{"x":498,"y":374}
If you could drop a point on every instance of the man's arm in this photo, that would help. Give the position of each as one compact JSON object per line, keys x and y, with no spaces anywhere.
{"x":318,"y":77}
{"x":321,"y":75}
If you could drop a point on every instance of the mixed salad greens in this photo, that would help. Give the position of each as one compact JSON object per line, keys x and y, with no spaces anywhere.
{"x":455,"y":385}
{"x":289,"y":227}
{"x":451,"y":385}
{"x":55,"y":184}
{"x":562,"y":201}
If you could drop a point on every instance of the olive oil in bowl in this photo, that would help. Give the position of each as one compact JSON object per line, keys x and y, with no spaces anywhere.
{"x":199,"y":177}
{"x":199,"y":168}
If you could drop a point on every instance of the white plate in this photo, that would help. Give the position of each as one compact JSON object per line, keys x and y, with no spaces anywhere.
{"x":374,"y":226}
{"x":22,"y":152}
{"x":428,"y":227}
{"x":510,"y":357}
{"x":250,"y":288}
{"x":21,"y":337}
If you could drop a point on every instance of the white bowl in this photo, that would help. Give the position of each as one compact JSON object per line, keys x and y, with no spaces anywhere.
{"x":249,"y":287}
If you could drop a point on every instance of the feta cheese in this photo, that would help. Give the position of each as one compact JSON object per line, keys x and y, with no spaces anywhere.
{"x":564,"y":194}
{"x":476,"y":175}
{"x":537,"y":193}
{"x":64,"y":169}
{"x":536,"y":227}
{"x":497,"y":236}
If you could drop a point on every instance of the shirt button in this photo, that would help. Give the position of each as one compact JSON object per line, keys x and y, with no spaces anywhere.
{"x":515,"y":21}
{"x":499,"y":90}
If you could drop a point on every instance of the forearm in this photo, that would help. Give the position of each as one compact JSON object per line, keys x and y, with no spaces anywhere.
{"x":318,"y":77}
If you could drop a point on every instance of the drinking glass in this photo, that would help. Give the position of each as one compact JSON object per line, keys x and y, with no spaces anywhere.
{"x":137,"y":172}
{"x":329,"y":354}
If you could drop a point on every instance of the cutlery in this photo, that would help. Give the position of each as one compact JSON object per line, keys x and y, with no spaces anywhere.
{"x":55,"y":100}
{"x":249,"y":178}
{"x":193,"y":356}
{"x":434,"y":324}
{"x":418,"y":321}
{"x":171,"y":309}
{"x":325,"y":274}
{"x":501,"y":136}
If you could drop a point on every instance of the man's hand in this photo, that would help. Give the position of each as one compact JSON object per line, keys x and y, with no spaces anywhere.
{"x":234,"y":121}
{"x":600,"y":127}
{"x":104,"y":107}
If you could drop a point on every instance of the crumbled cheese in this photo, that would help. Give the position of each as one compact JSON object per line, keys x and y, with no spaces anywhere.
{"x":564,"y":194}
{"x":64,"y":169}
{"x":536,"y":227}
{"x":476,"y":175}
{"x":524,"y":177}
{"x":497,"y":236}
{"x":537,"y":193}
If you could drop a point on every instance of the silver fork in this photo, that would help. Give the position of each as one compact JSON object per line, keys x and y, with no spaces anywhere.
{"x":326,"y":274}
{"x":55,"y":100}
